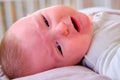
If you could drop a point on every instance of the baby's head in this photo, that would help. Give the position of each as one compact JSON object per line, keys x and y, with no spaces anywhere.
{"x":49,"y":38}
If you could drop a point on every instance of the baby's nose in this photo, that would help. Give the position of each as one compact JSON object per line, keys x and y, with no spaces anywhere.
{"x":62,"y":29}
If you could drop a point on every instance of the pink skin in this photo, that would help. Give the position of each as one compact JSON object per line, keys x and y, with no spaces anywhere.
{"x":40,"y":41}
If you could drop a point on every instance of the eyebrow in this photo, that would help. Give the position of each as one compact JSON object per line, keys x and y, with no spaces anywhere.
{"x":37,"y":19}
{"x":42,"y":16}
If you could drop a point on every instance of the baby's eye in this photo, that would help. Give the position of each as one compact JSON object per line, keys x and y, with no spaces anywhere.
{"x":59,"y":48}
{"x":46,"y":21}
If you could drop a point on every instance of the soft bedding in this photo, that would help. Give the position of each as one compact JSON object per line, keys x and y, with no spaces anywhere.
{"x":66,"y":73}
{"x":104,"y":53}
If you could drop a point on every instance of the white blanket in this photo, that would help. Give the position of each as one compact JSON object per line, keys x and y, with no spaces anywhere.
{"x":66,"y":73}
{"x":104,"y":53}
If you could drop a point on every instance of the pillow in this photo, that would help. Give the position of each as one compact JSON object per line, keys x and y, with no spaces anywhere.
{"x":66,"y":73}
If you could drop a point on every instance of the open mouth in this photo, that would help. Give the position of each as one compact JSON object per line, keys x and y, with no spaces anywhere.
{"x":75,"y":24}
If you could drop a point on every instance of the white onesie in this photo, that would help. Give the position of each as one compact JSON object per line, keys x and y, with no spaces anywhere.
{"x":104,"y":53}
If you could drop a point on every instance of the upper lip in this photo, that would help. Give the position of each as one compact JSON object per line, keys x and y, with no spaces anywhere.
{"x":75,"y":24}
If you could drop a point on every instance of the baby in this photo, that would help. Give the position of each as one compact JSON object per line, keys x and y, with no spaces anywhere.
{"x":49,"y":38}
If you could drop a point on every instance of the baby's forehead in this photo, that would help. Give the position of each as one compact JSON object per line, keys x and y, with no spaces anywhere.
{"x":30,"y":35}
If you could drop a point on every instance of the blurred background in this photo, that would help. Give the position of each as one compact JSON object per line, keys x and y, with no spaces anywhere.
{"x":12,"y":10}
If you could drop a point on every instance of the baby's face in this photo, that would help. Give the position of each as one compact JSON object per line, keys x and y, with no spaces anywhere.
{"x":53,"y":37}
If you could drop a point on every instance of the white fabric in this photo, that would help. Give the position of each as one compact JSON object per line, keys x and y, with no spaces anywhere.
{"x":66,"y":73}
{"x":104,"y":53}
{"x":2,"y":75}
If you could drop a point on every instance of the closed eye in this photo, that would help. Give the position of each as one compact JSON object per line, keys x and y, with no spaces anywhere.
{"x":59,"y":48}
{"x":45,"y":21}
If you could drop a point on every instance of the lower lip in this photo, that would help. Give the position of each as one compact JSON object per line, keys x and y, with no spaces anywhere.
{"x":83,"y":22}
{"x":77,"y":23}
